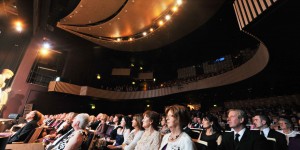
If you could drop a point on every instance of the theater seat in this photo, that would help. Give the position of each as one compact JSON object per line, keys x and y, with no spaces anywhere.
{"x":25,"y":146}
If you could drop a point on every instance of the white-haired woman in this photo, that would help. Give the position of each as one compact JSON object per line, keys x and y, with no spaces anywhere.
{"x":74,"y":140}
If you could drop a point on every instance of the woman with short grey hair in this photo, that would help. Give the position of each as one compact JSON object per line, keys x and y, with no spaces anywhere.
{"x":79,"y":135}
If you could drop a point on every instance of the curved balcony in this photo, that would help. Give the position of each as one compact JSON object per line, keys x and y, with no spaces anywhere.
{"x":251,"y":67}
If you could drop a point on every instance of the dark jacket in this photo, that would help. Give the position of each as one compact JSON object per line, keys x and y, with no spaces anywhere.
{"x":281,"y":143}
{"x":251,"y":140}
{"x":22,"y":133}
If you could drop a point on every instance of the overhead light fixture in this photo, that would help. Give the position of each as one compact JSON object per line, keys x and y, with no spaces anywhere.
{"x":19,"y":26}
{"x":57,"y":79}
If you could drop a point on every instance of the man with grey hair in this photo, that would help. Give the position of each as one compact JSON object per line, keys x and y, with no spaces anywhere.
{"x":76,"y":138}
{"x":241,"y":138}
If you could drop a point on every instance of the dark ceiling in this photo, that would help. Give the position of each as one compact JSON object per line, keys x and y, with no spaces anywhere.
{"x":219,"y":36}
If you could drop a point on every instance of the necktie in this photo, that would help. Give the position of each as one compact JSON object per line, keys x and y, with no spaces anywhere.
{"x":236,"y":139}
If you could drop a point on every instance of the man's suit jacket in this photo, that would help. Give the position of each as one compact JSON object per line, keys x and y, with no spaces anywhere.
{"x":94,"y":125}
{"x":251,"y":140}
{"x":22,"y":133}
{"x":281,"y":143}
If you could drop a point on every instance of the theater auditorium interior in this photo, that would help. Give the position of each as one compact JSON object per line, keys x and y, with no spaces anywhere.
{"x":128,"y":56}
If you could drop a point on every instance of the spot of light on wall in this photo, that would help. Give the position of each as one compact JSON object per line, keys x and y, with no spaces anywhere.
{"x":93,"y":106}
{"x":148,"y":105}
{"x":215,"y":105}
{"x":133,"y":82}
{"x":141,"y":68}
{"x":98,"y":76}
{"x":154,"y":79}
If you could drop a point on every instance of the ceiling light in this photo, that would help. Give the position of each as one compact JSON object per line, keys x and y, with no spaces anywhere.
{"x":144,"y":33}
{"x":46,"y":45}
{"x":160,"y":23}
{"x":168,"y":17}
{"x":175,"y":8}
{"x":44,"y":51}
{"x":179,"y":2}
{"x":19,"y":26}
{"x":151,"y":29}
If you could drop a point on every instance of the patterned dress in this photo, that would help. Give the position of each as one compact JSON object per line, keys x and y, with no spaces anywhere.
{"x":149,"y":141}
{"x":62,"y":144}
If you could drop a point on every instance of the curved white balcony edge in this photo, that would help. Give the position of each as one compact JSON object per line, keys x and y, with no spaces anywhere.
{"x":253,"y":66}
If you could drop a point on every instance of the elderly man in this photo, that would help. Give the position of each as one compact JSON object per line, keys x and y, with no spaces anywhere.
{"x":262,"y":123}
{"x":33,"y":119}
{"x":241,"y":138}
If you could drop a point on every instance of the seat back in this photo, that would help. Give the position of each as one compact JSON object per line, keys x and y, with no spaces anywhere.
{"x":294,"y":143}
{"x":34,"y":135}
{"x":3,"y":141}
{"x":108,"y":131}
{"x":271,"y":143}
{"x":200,"y":144}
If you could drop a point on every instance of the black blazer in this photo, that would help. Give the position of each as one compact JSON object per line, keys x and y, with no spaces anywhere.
{"x":251,"y":140}
{"x":281,"y":143}
{"x":94,"y":125}
{"x":22,"y":133}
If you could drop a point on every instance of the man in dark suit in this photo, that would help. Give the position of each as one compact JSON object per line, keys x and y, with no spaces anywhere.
{"x":241,"y":138}
{"x":32,"y":119}
{"x":95,"y":124}
{"x":262,"y":123}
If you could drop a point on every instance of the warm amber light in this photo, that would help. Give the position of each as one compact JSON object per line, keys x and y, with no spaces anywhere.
{"x":44,"y":51}
{"x":175,"y":8}
{"x":151,"y":29}
{"x":19,"y":26}
{"x":160,"y":23}
{"x":179,"y":2}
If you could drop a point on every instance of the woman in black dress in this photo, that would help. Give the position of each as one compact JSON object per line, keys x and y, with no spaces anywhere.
{"x":211,"y":134}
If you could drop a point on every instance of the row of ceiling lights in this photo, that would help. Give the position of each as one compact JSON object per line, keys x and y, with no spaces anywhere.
{"x":160,"y":21}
